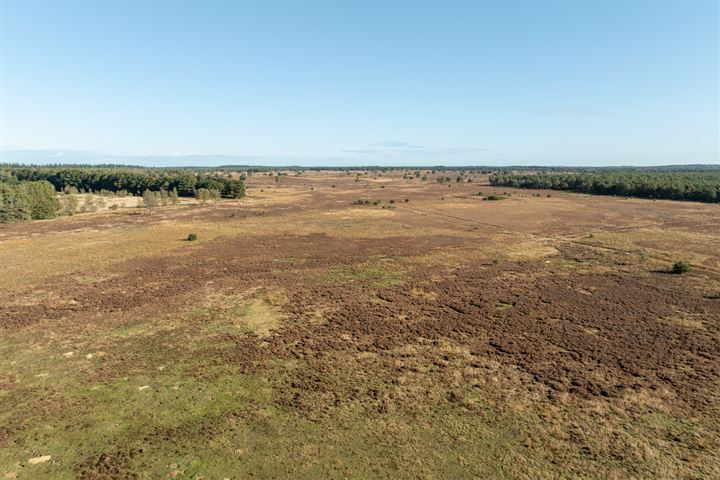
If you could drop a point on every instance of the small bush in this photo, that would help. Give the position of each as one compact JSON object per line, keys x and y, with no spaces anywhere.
{"x":680,"y":267}
{"x":494,"y":197}
{"x":150,"y":199}
{"x":192,"y":237}
{"x":114,"y":206}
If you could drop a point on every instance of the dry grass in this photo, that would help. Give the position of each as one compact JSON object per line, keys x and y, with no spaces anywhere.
{"x":257,"y":310}
{"x":29,"y":261}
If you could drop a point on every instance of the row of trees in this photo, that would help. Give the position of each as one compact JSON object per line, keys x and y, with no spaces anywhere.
{"x":134,"y":181}
{"x":27,"y":201}
{"x":700,"y":186}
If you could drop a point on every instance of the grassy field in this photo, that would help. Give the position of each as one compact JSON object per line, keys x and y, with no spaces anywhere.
{"x":304,"y":335}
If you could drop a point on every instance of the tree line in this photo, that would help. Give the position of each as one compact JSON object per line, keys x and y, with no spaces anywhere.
{"x":700,"y":186}
{"x":30,"y":193}
{"x":134,"y":181}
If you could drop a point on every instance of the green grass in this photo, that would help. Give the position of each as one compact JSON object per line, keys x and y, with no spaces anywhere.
{"x":208,"y":419}
{"x":378,"y":272}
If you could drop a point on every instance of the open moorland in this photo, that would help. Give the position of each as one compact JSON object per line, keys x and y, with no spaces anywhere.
{"x":335,"y":325}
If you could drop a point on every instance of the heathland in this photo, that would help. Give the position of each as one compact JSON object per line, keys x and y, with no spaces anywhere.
{"x":358,"y":324}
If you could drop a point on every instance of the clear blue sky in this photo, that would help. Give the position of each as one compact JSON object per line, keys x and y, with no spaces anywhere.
{"x":498,"y":83}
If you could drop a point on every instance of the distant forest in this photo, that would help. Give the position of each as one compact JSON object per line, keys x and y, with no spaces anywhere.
{"x":701,"y":185}
{"x":30,"y":193}
{"x":133,"y":180}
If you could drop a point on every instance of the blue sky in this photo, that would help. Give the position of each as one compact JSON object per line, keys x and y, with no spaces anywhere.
{"x":323,"y":83}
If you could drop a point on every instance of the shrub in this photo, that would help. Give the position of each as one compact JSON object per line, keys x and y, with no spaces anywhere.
{"x":88,"y":205}
{"x":203,"y":195}
{"x":151,"y":199}
{"x":680,"y":267}
{"x":494,"y":197}
{"x":192,"y":237}
{"x":114,"y":206}
{"x":70,"y":204}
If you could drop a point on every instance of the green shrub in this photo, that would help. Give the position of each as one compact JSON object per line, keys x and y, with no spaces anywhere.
{"x":494,"y":197}
{"x":681,"y":267}
{"x":192,"y":237}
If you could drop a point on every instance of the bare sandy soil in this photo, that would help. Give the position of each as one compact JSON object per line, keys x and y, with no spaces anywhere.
{"x":426,"y":334}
